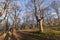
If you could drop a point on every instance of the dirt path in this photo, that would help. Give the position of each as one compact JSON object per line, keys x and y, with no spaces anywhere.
{"x":18,"y":36}
{"x":27,"y":36}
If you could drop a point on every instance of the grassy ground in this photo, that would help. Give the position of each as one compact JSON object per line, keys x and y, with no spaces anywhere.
{"x":52,"y":35}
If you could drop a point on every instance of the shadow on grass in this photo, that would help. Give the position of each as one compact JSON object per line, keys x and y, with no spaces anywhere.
{"x":47,"y":36}
{"x":40,"y":36}
{"x":25,"y":36}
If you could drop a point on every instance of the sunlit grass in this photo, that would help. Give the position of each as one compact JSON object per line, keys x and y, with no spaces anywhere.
{"x":50,"y":35}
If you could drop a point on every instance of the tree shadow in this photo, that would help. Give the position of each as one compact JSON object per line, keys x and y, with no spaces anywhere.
{"x":7,"y":36}
{"x":12,"y":37}
{"x":27,"y":36}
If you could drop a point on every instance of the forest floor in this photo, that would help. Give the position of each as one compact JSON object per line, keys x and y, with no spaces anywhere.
{"x":18,"y":35}
{"x":28,"y":35}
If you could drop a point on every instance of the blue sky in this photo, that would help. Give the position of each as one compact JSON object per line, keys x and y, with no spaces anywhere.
{"x":22,"y":3}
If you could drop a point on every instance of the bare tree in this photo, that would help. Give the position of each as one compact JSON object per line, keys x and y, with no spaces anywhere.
{"x":39,"y":21}
{"x":55,"y":6}
{"x":3,"y":9}
{"x":15,"y":16}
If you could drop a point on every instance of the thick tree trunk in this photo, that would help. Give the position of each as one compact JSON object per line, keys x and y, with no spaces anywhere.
{"x":42,"y":19}
{"x":36,"y":14}
{"x":39,"y":21}
{"x":41,"y":25}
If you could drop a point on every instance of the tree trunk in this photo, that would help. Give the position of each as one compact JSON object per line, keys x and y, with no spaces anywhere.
{"x":41,"y":20}
{"x":41,"y":25}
